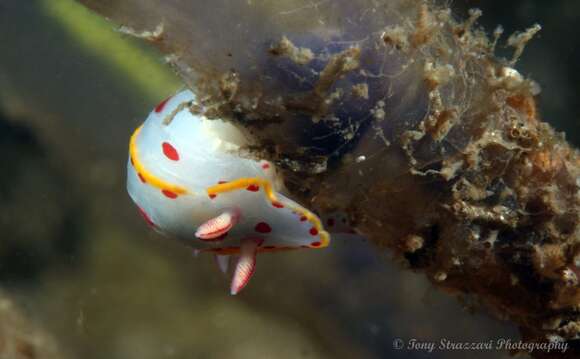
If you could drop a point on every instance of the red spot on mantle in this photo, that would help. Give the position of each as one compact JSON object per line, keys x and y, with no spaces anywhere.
{"x":146,"y":217}
{"x":263,"y":227}
{"x":313,"y":231}
{"x":277,"y":205}
{"x":161,"y":105}
{"x":169,"y":151}
{"x":253,"y":188}
{"x":169,"y":194}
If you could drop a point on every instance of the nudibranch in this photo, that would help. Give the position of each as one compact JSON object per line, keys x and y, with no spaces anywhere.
{"x":190,"y":180}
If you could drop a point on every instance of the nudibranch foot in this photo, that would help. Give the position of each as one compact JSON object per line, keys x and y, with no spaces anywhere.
{"x":245,"y":267}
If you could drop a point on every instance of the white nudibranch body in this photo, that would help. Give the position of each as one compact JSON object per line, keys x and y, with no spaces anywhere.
{"x":189,"y":180}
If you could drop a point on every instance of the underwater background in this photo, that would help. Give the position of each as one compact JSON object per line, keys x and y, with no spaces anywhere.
{"x":81,"y":275}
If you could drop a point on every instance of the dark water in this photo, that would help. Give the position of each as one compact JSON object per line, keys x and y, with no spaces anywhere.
{"x":88,"y":279}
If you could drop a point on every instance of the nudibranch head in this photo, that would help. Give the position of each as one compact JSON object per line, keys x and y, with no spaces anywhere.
{"x":189,"y":180}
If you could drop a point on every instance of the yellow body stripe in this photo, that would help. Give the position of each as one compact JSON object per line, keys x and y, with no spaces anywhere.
{"x":148,"y":176}
{"x":243,"y":183}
